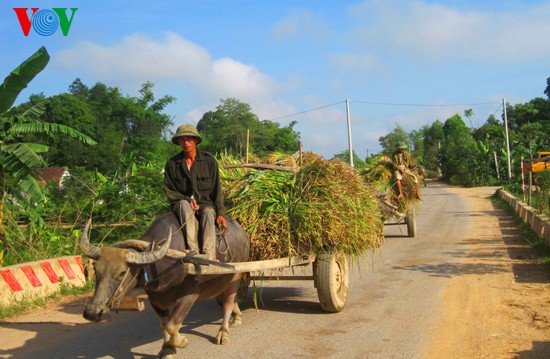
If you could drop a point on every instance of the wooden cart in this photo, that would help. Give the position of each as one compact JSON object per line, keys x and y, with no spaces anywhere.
{"x":393,"y":217}
{"x":329,"y":274}
{"x":329,"y":270}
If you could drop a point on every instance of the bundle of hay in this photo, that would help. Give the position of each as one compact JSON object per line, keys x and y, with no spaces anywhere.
{"x":380,"y":175}
{"x":324,"y":204}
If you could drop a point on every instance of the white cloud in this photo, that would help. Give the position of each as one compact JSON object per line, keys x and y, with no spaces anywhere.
{"x":173,"y":60}
{"x":240,"y":80}
{"x":177,"y":67}
{"x":141,"y":58}
{"x":435,"y":31}
{"x":301,"y":24}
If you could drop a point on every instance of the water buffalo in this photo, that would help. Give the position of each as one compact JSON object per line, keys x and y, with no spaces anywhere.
{"x":171,"y":290}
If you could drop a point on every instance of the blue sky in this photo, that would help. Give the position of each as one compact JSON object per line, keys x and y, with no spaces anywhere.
{"x":300,"y":60}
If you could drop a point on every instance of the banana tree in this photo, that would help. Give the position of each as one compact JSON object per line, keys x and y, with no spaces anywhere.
{"x":19,"y":159}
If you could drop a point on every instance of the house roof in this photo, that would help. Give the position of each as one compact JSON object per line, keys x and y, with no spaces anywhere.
{"x":51,"y":174}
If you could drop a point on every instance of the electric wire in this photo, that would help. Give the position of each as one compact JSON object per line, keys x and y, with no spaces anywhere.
{"x":389,"y":104}
{"x":426,"y":105}
{"x":313,"y":109}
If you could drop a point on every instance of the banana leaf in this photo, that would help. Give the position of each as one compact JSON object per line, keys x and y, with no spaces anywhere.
{"x":19,"y":78}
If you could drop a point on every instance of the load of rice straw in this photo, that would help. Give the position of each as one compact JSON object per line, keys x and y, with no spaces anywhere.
{"x":325,"y":204}
{"x":380,"y":175}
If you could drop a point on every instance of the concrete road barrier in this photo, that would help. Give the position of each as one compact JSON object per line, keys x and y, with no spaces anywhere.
{"x":28,"y":281}
{"x":539,"y":223}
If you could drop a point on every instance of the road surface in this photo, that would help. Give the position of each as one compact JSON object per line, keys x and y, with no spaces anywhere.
{"x":451,"y":292}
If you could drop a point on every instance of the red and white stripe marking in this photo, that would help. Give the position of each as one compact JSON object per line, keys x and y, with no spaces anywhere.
{"x":40,"y":278}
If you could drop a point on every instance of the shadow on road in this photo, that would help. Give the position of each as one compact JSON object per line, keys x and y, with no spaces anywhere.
{"x":449,"y":270}
{"x":132,"y":329}
{"x":540,"y":350}
{"x":284,"y":299}
{"x":526,"y":269}
{"x":491,"y":251}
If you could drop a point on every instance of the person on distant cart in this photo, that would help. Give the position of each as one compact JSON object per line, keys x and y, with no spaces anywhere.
{"x":192,"y":185}
{"x":402,"y":160}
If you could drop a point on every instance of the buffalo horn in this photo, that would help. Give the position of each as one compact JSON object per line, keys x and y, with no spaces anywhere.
{"x":88,"y":249}
{"x":149,"y":257}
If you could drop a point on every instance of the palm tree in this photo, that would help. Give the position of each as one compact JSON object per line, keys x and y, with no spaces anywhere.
{"x":18,"y":159}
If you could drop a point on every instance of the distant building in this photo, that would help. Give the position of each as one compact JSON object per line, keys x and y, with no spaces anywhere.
{"x":52,"y":174}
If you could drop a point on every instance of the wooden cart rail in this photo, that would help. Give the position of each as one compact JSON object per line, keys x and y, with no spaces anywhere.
{"x":330,"y":271}
{"x":204,"y":266}
{"x":196,"y":265}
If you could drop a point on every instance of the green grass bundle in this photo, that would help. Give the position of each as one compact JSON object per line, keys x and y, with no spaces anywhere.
{"x":380,"y":175}
{"x":325,"y":204}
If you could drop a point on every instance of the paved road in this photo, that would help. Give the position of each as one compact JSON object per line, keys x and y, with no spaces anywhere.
{"x":393,"y":303}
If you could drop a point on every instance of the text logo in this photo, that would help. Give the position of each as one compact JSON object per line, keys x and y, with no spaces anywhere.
{"x":45,"y":22}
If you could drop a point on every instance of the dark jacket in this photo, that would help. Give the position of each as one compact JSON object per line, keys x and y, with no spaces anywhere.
{"x":203,"y":181}
{"x":402,"y":159}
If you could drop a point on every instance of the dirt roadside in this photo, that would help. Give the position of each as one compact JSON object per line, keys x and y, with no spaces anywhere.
{"x":501,"y":308}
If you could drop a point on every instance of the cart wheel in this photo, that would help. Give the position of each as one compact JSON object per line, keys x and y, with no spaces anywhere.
{"x":242,"y":292}
{"x":411,"y":222}
{"x":332,"y":281}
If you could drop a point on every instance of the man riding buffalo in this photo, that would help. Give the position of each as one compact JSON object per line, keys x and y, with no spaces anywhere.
{"x":192,"y":185}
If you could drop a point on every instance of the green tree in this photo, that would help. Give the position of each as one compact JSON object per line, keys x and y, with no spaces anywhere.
{"x":224,"y":131}
{"x":124,"y":127}
{"x":19,"y":159}
{"x":147,"y":125}
{"x":542,"y":106}
{"x":520,"y":114}
{"x":270,"y":137}
{"x":529,"y":129}
{"x":459,"y":153}
{"x":491,"y":141}
{"x":416,"y":139}
{"x":533,"y":136}
{"x":389,"y":142}
{"x":70,"y":111}
{"x":344,"y":157}
{"x":433,"y":138}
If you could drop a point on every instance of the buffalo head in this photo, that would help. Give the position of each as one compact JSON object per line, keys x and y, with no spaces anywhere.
{"x":116,"y":272}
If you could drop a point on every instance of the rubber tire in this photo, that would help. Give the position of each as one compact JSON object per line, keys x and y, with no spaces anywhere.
{"x":411,"y":222}
{"x":332,"y":281}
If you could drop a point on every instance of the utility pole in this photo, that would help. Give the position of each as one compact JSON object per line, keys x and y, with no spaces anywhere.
{"x":349,"y":135}
{"x":507,"y":140}
{"x":496,"y":164}
{"x":247,"y":143}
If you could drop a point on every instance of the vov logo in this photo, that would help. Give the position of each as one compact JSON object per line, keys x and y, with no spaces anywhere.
{"x":45,"y":22}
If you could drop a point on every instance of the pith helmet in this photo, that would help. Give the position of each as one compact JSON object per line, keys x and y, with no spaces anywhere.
{"x":186,"y":131}
{"x":402,"y":145}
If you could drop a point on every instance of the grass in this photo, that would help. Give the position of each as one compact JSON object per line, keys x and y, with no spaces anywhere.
{"x":528,"y":235}
{"x":324,"y":205}
{"x":25,"y":305}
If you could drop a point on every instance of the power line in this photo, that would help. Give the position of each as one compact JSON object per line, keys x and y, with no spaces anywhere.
{"x":313,"y":109}
{"x":390,"y":104}
{"x":498,"y":109}
{"x":427,"y":105}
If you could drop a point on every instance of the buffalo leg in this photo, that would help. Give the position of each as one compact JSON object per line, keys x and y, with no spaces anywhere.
{"x":228,"y":309}
{"x":236,"y":317}
{"x":164,"y":316}
{"x":172,"y":338}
